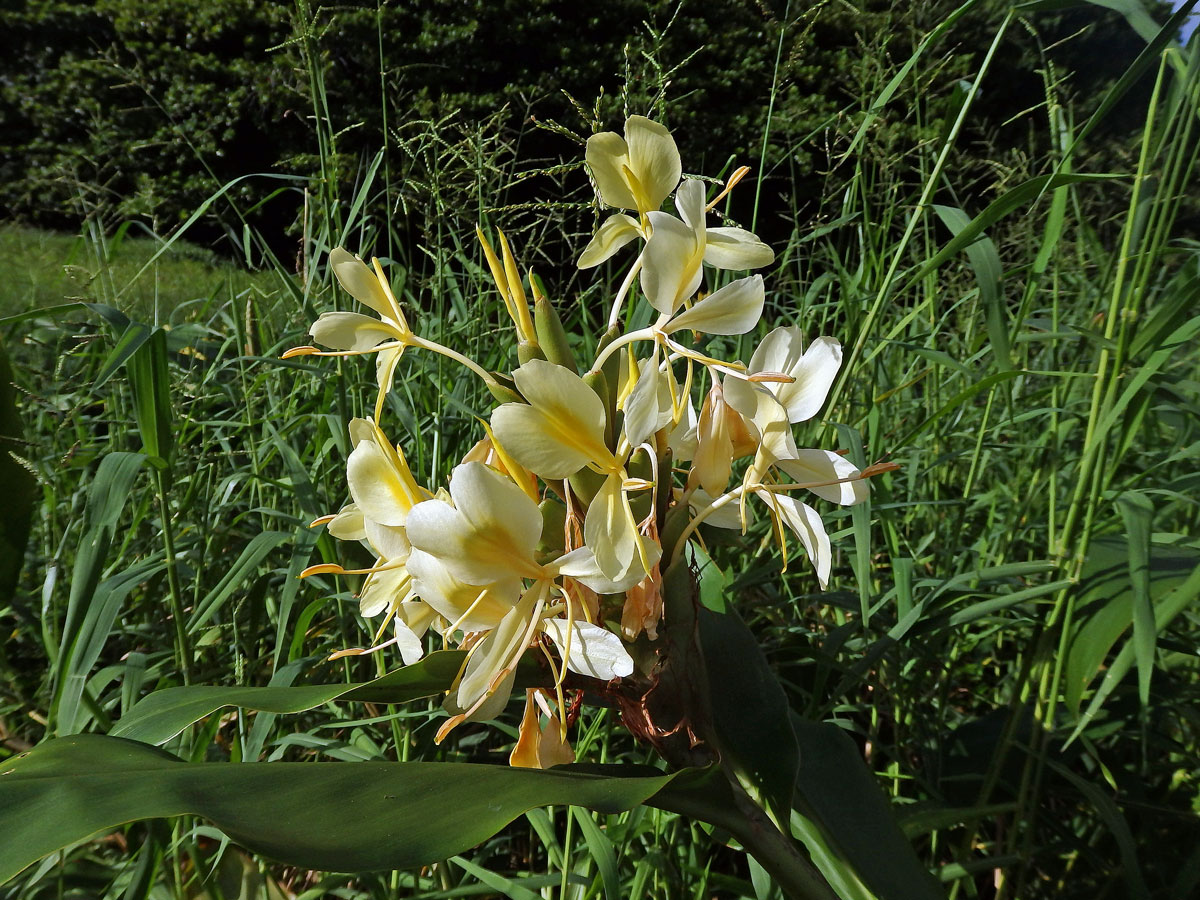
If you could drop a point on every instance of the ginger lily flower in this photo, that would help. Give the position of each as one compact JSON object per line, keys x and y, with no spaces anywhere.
{"x":809,"y":372}
{"x":353,"y":334}
{"x":488,"y":537}
{"x":677,"y":248}
{"x":561,"y":431}
{"x":636,"y":171}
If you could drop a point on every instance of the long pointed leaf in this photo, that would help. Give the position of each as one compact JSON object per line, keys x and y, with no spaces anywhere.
{"x":162,"y":715}
{"x":340,"y":817}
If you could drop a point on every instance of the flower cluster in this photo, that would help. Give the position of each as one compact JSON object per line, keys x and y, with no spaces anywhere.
{"x":555,"y":528}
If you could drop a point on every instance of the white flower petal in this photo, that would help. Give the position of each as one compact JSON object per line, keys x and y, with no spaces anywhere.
{"x":645,"y":411}
{"x":728,"y":516}
{"x":814,"y":373}
{"x":817,"y":466}
{"x":593,"y":651}
{"x":581,"y":565}
{"x":410,"y":646}
{"x":803,"y":520}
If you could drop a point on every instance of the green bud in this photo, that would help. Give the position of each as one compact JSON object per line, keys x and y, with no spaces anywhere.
{"x":504,"y":390}
{"x":554,"y":518}
{"x":527,"y":350}
{"x":601,"y":385}
{"x":550,"y":332}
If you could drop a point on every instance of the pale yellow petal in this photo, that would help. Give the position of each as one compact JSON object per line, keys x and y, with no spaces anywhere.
{"x":608,"y":529}
{"x":736,"y":248}
{"x":804,"y":522}
{"x":472,"y":607}
{"x":347,"y":525}
{"x":563,"y":427}
{"x":617,"y":231}
{"x":375,"y":485}
{"x":359,"y":281}
{"x":734,"y":309}
{"x":673,"y":263}
{"x":489,"y":534}
{"x":382,"y":589}
{"x":653,"y":159}
{"x":498,"y":651}
{"x":351,"y":331}
{"x":607,"y":155}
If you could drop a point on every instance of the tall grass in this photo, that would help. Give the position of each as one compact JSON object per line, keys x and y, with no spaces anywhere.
{"x":1009,"y":636}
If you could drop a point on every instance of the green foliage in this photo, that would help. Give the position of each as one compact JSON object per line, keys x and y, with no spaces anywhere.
{"x":987,"y":613}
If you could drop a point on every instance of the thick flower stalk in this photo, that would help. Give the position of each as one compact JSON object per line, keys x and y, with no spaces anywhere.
{"x":593,"y":477}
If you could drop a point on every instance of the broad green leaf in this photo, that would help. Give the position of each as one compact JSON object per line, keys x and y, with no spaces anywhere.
{"x":1106,"y":603}
{"x":88,"y":643}
{"x":135,"y":335}
{"x":749,"y":709}
{"x":603,"y":852}
{"x":342,"y":817}
{"x":837,"y":793}
{"x":163,"y":714}
{"x":150,"y":380}
{"x":92,"y":607}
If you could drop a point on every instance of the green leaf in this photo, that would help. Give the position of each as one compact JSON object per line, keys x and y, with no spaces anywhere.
{"x":836,"y":792}
{"x":245,"y":565}
{"x":1138,"y":514}
{"x":749,"y":710}
{"x":16,"y":485}
{"x":985,"y":263}
{"x":150,"y":380}
{"x":91,"y":606}
{"x":603,"y":852}
{"x":1106,"y":606}
{"x":343,"y":817}
{"x":998,"y":209}
{"x":132,"y":338}
{"x":163,"y":714}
